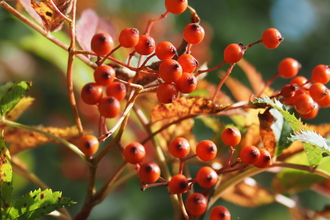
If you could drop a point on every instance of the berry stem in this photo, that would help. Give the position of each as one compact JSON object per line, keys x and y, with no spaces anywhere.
{"x":152,"y":21}
{"x":109,"y":54}
{"x":251,"y":44}
{"x":270,"y":81}
{"x":223,"y":81}
{"x":211,"y":69}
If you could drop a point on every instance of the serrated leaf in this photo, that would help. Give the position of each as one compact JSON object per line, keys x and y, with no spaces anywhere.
{"x":36,"y":204}
{"x":5,"y":87}
{"x":6,"y":184}
{"x":12,"y":96}
{"x":314,"y":144}
{"x":283,"y":141}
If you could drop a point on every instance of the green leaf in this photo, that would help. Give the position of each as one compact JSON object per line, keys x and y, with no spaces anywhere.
{"x":36,"y":204}
{"x":314,"y":144}
{"x":294,"y":180}
{"x":6,"y":184}
{"x":5,"y":87}
{"x":283,"y":141}
{"x":12,"y":96}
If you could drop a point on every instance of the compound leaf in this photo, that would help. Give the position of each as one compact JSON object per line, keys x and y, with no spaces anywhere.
{"x":36,"y":204}
{"x":6,"y":184}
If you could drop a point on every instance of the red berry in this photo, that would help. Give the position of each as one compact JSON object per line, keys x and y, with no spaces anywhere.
{"x":233,"y":53}
{"x":88,"y":144}
{"x":206,"y":150}
{"x":176,"y":6}
{"x":91,"y":93}
{"x":188,"y":63}
{"x":206,"y":177}
{"x":288,"y":68}
{"x":196,"y":204}
{"x":325,"y":102}
{"x":264,"y":160}
{"x":165,"y":50}
{"x":299,"y":80}
{"x":312,"y":114}
{"x":134,"y":153}
{"x":220,"y":213}
{"x":321,"y":74}
{"x":187,"y":83}
{"x":193,"y":33}
{"x":289,"y":90}
{"x":179,"y":147}
{"x":167,"y":92}
{"x":249,"y":154}
{"x":231,"y":136}
{"x":170,"y":70}
{"x":146,"y":45}
{"x":102,"y":44}
{"x":104,"y":75}
{"x":109,"y":107}
{"x":129,"y":37}
{"x":304,"y":104}
{"x":271,"y":38}
{"x":149,"y":172}
{"x":178,"y":184}
{"x":117,"y":90}
{"x":318,"y":91}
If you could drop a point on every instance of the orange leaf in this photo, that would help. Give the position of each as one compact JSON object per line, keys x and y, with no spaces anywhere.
{"x":23,"y":139}
{"x":266,"y":132}
{"x":238,"y":90}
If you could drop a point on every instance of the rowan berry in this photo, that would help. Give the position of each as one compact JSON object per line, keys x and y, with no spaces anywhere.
{"x":188,"y":63}
{"x":91,"y":93}
{"x":88,"y":144}
{"x":299,"y":80}
{"x":206,"y":150}
{"x":196,"y":204}
{"x":220,"y":213}
{"x":206,"y":177}
{"x":288,"y":90}
{"x":170,"y":70}
{"x":179,"y":147}
{"x":145,"y":45}
{"x":231,"y":136}
{"x":109,"y":107}
{"x":149,"y":172}
{"x":271,"y":38}
{"x":312,"y":114}
{"x":167,"y":92}
{"x":102,"y":44}
{"x":304,"y":104}
{"x":165,"y":50}
{"x":176,"y":6}
{"x":249,"y":154}
{"x":178,"y":184}
{"x":187,"y":83}
{"x":117,"y":90}
{"x":325,"y":102}
{"x":129,"y":37}
{"x":233,"y":53}
{"x":288,"y":68}
{"x":264,"y":160}
{"x":134,"y":153}
{"x":193,"y":33}
{"x":321,"y":74}
{"x":318,"y":91}
{"x":104,"y":75}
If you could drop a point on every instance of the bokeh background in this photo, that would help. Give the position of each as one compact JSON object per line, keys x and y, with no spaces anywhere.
{"x":24,"y":55}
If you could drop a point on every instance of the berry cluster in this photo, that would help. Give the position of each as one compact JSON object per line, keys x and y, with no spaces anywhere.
{"x":149,"y":173}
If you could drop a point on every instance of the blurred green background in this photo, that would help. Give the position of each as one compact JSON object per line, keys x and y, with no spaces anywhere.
{"x":24,"y":55}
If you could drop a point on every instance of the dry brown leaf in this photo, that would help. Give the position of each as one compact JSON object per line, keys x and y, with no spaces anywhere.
{"x":248,"y":194}
{"x":20,"y":139}
{"x":251,"y":136}
{"x":45,"y":14}
{"x":293,"y":149}
{"x":266,"y":132}
{"x":184,"y":106}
